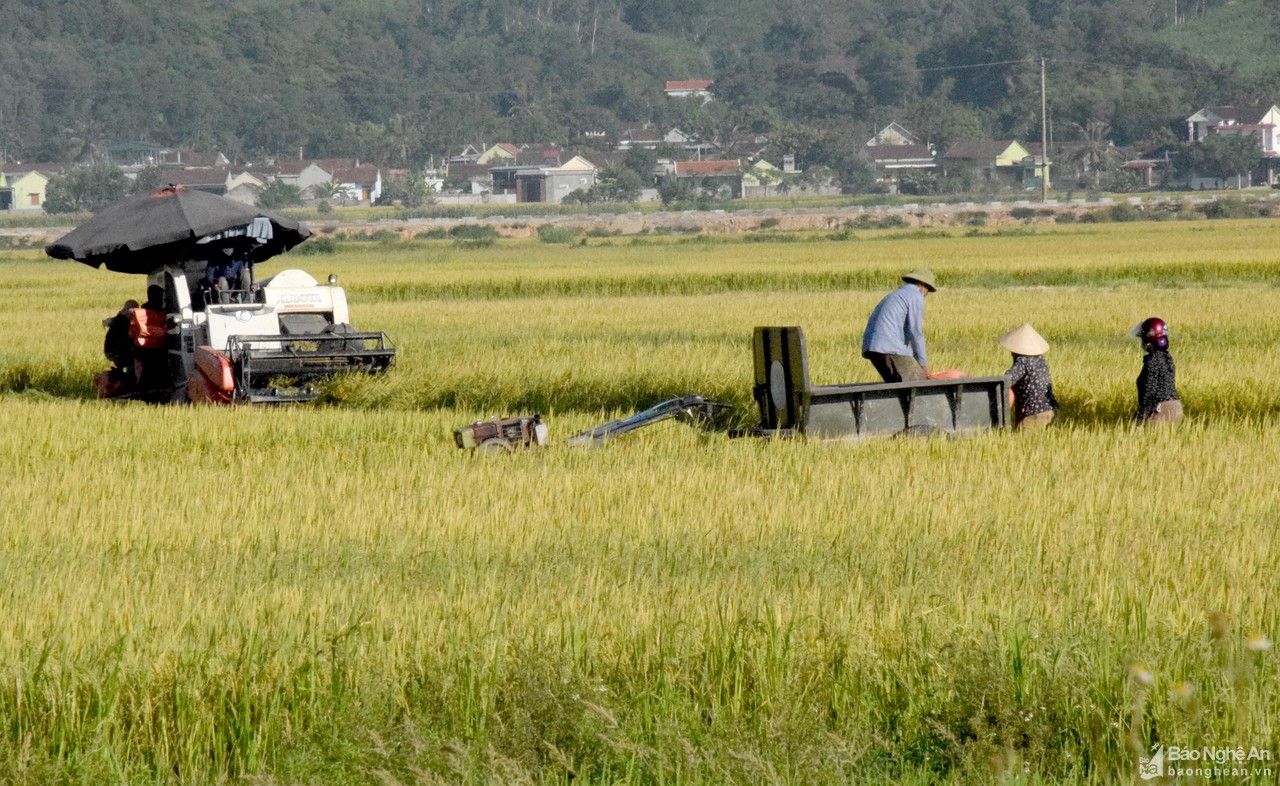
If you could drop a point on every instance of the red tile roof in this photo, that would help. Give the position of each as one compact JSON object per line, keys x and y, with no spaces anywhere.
{"x":363,"y":175}
{"x":688,"y":84}
{"x":291,"y":167}
{"x":712,"y":168}
{"x":642,"y":135}
{"x":330,"y":164}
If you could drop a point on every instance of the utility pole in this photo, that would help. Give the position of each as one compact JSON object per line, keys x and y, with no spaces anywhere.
{"x":1044,"y":139}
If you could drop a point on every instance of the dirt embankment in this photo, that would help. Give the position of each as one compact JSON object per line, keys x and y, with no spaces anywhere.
{"x":717,"y":221}
{"x":726,"y":222}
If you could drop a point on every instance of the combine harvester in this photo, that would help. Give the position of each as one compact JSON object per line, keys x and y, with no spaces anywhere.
{"x":230,"y":341}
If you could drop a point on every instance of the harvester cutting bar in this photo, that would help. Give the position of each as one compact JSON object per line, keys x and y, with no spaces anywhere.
{"x":261,"y":360}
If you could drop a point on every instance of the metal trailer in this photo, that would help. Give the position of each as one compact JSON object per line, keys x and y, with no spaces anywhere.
{"x":790,"y":405}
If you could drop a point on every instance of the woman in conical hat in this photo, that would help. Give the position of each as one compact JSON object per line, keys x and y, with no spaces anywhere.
{"x":1030,"y":387}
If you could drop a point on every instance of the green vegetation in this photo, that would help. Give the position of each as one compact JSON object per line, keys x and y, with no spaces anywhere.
{"x":278,"y":194}
{"x":395,"y":83}
{"x":549,"y":233}
{"x":336,"y":594}
{"x":85,"y":190}
{"x":318,"y":247}
{"x":1232,"y":36}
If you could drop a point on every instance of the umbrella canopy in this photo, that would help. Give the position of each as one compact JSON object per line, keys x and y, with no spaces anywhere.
{"x":144,"y":232}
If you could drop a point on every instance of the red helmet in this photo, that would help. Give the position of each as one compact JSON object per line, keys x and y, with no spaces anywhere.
{"x":1153,"y":332}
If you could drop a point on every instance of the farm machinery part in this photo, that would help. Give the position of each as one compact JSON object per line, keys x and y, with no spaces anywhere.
{"x":209,"y":332}
{"x":502,"y":436}
{"x":790,"y":405}
{"x":265,"y":346}
{"x":694,"y":410}
{"x":260,"y":362}
{"x":510,"y":434}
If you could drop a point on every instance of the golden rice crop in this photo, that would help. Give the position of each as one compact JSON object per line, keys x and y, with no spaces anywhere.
{"x":336,"y":594}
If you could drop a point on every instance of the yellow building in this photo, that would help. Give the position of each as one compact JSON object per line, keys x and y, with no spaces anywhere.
{"x":22,"y":191}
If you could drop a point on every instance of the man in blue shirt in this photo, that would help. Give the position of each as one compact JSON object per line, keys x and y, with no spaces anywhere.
{"x":894,"y":339}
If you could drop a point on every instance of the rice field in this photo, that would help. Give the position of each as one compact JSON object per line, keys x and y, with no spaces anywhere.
{"x":336,"y":594}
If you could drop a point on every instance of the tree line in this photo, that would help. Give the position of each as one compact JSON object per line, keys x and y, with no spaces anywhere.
{"x":398,"y":82}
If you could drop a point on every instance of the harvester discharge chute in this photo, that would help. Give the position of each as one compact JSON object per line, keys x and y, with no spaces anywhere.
{"x":210,"y":332}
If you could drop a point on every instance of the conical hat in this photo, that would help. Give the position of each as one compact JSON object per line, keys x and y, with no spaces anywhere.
{"x":922,"y":276}
{"x":1024,"y":340}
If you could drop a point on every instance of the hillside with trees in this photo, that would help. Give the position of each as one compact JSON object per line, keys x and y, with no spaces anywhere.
{"x":396,"y":81}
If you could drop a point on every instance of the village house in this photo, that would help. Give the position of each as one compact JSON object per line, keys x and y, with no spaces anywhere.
{"x":748,"y":145}
{"x":136,"y":155}
{"x":23,"y":190}
{"x":891,"y":162}
{"x":763,"y":179}
{"x":360,"y":184}
{"x":895,"y":151}
{"x":467,"y":155}
{"x":689,"y":88}
{"x":468,"y":177}
{"x":244,"y":186}
{"x":1004,"y":162}
{"x":721,"y":176}
{"x":690,"y":143}
{"x":191,"y":159}
{"x":1260,"y":122}
{"x":894,"y":134}
{"x":497,"y":153}
{"x":209,"y":179}
{"x":640,"y":139}
{"x":543,"y":174}
{"x":304,"y":175}
{"x":244,"y":178}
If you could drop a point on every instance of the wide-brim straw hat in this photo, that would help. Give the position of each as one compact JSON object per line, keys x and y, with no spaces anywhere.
{"x":922,"y":276}
{"x":1024,"y":340}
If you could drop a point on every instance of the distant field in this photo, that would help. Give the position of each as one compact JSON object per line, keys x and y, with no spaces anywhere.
{"x":336,"y":594}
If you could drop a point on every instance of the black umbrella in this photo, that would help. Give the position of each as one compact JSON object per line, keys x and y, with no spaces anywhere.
{"x":144,"y":232}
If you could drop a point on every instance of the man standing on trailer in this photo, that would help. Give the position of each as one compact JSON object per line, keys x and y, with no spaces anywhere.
{"x":894,"y":338}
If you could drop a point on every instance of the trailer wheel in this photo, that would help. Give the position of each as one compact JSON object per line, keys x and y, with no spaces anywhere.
{"x":495,"y":445}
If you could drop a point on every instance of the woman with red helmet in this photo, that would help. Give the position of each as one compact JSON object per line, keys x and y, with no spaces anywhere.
{"x":1158,"y":401}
